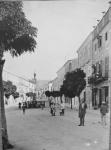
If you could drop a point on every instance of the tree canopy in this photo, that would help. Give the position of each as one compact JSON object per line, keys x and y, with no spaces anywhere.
{"x":9,"y":89}
{"x":74,"y":83}
{"x":16,"y":32}
{"x":53,"y":93}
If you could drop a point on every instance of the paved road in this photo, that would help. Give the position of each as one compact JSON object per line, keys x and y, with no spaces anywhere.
{"x":38,"y":130}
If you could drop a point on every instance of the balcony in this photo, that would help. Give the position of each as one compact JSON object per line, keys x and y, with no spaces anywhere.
{"x":96,"y":78}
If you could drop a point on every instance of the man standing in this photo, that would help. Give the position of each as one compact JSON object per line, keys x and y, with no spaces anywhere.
{"x":103,"y":111}
{"x":82,"y":112}
{"x":23,"y":108}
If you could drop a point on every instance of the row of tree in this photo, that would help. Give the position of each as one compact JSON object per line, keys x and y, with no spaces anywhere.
{"x":53,"y":93}
{"x":72,"y":86}
{"x":10,"y":89}
{"x":31,"y":95}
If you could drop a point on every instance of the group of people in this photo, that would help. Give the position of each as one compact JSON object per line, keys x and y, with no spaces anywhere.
{"x":81,"y":111}
{"x":52,"y":106}
{"x":22,"y":106}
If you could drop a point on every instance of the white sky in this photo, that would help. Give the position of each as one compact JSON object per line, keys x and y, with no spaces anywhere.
{"x":62,"y":27}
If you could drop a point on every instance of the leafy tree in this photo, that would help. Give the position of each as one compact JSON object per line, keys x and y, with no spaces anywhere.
{"x":17,"y":37}
{"x":15,"y":95}
{"x":32,"y":95}
{"x":73,"y":84}
{"x":47,"y":93}
{"x":29,"y":94}
{"x":9,"y":88}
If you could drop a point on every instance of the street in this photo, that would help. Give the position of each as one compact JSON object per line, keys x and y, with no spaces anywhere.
{"x":38,"y":130}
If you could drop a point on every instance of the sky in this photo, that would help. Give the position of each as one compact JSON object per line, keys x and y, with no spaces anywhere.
{"x":62,"y":27}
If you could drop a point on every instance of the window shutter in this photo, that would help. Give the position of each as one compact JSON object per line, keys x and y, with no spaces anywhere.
{"x":103,"y":68}
{"x":97,"y":67}
{"x":100,"y":71}
{"x":106,"y":66}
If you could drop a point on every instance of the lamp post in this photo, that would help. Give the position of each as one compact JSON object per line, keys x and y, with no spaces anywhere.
{"x":110,"y":98}
{"x":1,"y":54}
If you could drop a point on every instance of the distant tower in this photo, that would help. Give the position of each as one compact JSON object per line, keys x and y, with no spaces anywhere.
{"x":35,"y":86}
{"x":35,"y":81}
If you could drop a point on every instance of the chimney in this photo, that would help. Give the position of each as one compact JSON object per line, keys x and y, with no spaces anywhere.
{"x":109,"y":4}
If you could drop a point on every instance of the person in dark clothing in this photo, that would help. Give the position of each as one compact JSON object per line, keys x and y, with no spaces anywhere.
{"x":82,"y":112}
{"x":103,"y":111}
{"x":19,"y":105}
{"x":23,"y":108}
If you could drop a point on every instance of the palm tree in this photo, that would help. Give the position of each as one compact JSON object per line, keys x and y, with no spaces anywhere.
{"x":17,"y":37}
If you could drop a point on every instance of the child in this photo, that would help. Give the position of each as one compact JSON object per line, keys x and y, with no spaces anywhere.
{"x":62,"y":107}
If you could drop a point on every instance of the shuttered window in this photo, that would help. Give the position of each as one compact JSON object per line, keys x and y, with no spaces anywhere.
{"x":106,"y":66}
{"x":103,"y":67}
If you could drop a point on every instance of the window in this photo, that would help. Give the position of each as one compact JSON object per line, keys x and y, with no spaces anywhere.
{"x":99,"y":41}
{"x":95,"y":47}
{"x":106,"y":36}
{"x":106,"y":66}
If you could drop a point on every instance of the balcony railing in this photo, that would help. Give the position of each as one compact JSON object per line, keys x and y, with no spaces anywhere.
{"x":96,"y":78}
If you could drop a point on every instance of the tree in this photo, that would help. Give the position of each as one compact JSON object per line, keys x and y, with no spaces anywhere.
{"x":73,"y":84}
{"x":47,"y":93}
{"x":17,"y":37}
{"x":15,"y":95}
{"x":9,"y":89}
{"x":32,"y":95}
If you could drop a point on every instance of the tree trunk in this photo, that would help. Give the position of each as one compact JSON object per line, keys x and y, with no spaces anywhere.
{"x":2,"y":110}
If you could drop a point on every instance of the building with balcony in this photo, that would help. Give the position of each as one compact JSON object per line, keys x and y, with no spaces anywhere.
{"x":85,"y":63}
{"x":101,"y":45}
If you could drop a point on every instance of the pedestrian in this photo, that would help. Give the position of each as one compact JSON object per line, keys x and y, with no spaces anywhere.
{"x":19,"y":105}
{"x":62,"y":108}
{"x":82,"y":112}
{"x":103,"y":111}
{"x":53,"y":109}
{"x":23,"y":108}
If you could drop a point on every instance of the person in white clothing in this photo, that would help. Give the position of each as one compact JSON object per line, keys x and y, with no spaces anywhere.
{"x":62,"y":107}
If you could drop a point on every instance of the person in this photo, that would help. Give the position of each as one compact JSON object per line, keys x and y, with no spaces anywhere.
{"x":62,"y":107}
{"x":19,"y":105}
{"x":82,"y":112}
{"x":103,"y":111}
{"x":23,"y":108}
{"x":52,"y":109}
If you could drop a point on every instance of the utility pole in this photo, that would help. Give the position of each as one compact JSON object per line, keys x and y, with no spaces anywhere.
{"x":110,"y":91}
{"x":110,"y":98}
{"x":1,"y":67}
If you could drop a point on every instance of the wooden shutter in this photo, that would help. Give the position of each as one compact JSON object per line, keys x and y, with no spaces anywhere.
{"x":106,"y":66}
{"x":103,"y":68}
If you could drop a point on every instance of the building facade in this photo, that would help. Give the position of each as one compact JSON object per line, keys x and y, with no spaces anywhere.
{"x":23,"y":85}
{"x":85,"y":63}
{"x":101,"y":46}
